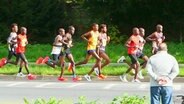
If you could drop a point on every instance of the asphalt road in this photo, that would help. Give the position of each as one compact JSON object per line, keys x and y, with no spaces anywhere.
{"x":13,"y":92}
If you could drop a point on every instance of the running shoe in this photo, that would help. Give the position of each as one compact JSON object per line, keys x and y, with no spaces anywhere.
{"x":96,"y":71}
{"x":77,"y":79}
{"x":3,"y":62}
{"x":20,"y":75}
{"x":123,"y":78}
{"x":140,"y":75}
{"x":133,"y":71}
{"x":62,"y":79}
{"x":70,"y":66}
{"x":136,"y":80}
{"x":31,"y":77}
{"x":88,"y":78}
{"x":39,"y":60}
{"x":121,"y":59}
{"x":45,"y":59}
{"x":101,"y":76}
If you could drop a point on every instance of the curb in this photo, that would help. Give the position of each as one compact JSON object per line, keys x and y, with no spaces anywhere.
{"x":94,"y":78}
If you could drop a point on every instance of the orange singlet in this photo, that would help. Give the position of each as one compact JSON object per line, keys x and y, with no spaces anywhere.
{"x":134,"y":42}
{"x":21,"y":43}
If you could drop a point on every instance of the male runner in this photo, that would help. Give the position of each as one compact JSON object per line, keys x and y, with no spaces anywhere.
{"x":133,"y":45}
{"x":12,"y":44}
{"x":92,"y":38}
{"x":20,"y":50}
{"x":103,"y":40}
{"x":65,"y":52}
{"x":157,"y":38}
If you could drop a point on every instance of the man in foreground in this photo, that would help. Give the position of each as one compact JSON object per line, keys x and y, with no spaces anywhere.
{"x":162,"y":68}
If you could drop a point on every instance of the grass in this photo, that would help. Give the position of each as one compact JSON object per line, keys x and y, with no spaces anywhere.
{"x":79,"y":51}
{"x":80,"y":70}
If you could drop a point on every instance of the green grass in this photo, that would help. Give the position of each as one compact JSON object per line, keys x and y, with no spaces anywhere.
{"x":80,"y":70}
{"x":79,"y":51}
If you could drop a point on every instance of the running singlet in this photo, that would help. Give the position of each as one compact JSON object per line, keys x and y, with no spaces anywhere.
{"x":103,"y":41}
{"x":21,"y":43}
{"x":56,"y":49}
{"x":12,"y":39}
{"x":141,"y":43}
{"x":93,"y":40}
{"x":133,"y":44}
{"x":158,"y":37}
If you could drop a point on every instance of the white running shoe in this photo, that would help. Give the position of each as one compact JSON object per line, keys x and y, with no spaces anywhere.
{"x":140,"y":74}
{"x":121,"y":59}
{"x":123,"y":78}
{"x":88,"y":78}
{"x":136,"y":80}
{"x":20,"y":75}
{"x":96,"y":71}
{"x":133,"y":71}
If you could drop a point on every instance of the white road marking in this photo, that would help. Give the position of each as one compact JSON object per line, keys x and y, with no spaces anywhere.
{"x":14,"y":84}
{"x":74,"y":85}
{"x":109,"y":86}
{"x":177,"y":87}
{"x":43,"y":85}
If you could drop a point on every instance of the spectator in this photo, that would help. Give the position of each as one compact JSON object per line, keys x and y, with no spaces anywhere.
{"x":162,"y":68}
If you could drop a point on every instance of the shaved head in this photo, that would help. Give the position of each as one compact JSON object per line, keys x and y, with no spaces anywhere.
{"x":163,"y":47}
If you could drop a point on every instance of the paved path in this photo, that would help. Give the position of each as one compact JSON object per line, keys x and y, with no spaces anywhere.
{"x":13,"y":92}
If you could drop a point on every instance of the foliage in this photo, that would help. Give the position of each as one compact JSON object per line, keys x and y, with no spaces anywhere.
{"x":115,"y":35}
{"x":129,"y":100}
{"x":52,"y":100}
{"x":82,"y":100}
{"x":44,"y":17}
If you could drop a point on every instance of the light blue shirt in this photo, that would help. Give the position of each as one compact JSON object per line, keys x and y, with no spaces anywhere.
{"x":162,"y":64}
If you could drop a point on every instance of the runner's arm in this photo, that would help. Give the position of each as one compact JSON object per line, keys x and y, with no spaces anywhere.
{"x":84,"y":36}
{"x":108,"y":39}
{"x":128,"y":42}
{"x":151,"y":37}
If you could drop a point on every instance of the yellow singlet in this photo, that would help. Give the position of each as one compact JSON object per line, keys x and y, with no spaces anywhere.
{"x":93,"y":40}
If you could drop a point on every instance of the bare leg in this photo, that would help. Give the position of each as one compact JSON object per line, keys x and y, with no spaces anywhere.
{"x":84,"y":61}
{"x":97,"y":64}
{"x":106,"y":58}
{"x":145,"y":58}
{"x":70,"y":58}
{"x":62,"y":63}
{"x":136,"y":67}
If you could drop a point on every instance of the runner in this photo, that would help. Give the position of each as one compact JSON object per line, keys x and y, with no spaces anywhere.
{"x":157,"y":38}
{"x":21,"y":47}
{"x":139,"y":54}
{"x":92,"y":38}
{"x":103,"y":39}
{"x":65,"y":52}
{"x":133,"y":45}
{"x":12,"y":44}
{"x":56,"y":49}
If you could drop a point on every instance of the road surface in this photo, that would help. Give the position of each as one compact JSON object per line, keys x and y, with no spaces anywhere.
{"x":13,"y":92}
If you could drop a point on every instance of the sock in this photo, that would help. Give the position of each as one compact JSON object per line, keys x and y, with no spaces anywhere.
{"x":20,"y":70}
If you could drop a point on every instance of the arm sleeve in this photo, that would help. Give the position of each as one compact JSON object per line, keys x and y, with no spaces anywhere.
{"x":150,"y":70}
{"x":174,"y":71}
